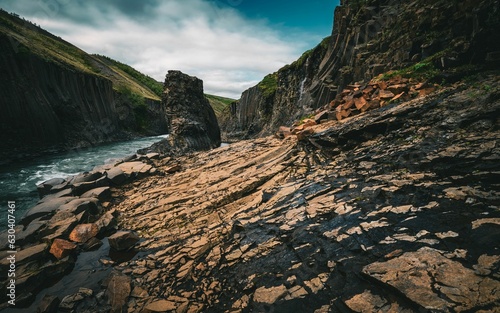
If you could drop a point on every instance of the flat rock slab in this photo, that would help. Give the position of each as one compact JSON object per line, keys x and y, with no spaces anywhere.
{"x":435,"y":282}
{"x":134,"y":168}
{"x":101,"y":193}
{"x":116,"y":175}
{"x":26,"y":255}
{"x":269,"y":295}
{"x":118,"y":292}
{"x":160,"y":306}
{"x":44,"y":208}
{"x":77,"y":206}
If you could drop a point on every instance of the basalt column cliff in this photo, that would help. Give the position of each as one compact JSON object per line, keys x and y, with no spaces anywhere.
{"x":370,"y":37}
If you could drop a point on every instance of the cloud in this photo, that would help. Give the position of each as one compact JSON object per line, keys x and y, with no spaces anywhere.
{"x":207,"y":39}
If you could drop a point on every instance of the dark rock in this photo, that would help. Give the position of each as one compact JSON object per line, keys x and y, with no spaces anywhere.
{"x":45,"y":188}
{"x":27,"y":255}
{"x":86,"y":177}
{"x":92,"y":244}
{"x":81,"y":188}
{"x":192,"y":122}
{"x":87,"y":203}
{"x":44,"y":208}
{"x":49,"y":304}
{"x":106,"y":222}
{"x":101,"y":193}
{"x":123,"y":240}
{"x":116,"y":175}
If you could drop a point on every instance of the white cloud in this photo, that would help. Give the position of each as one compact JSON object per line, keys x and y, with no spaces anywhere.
{"x":217,"y":44}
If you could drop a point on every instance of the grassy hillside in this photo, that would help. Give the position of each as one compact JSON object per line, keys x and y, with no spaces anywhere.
{"x":219,"y":104}
{"x":28,"y":38}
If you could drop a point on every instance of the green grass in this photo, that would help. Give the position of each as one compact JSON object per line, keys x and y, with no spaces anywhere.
{"x":219,"y":104}
{"x":269,"y":85}
{"x":424,"y":70}
{"x":29,"y":39}
{"x":154,"y":85}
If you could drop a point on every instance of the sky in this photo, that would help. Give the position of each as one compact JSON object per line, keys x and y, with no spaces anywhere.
{"x":229,"y":44}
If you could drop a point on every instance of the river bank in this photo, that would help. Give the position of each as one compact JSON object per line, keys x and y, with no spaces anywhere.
{"x":18,"y":181}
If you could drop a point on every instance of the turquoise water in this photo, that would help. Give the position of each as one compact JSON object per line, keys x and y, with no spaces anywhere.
{"x":18,"y":181}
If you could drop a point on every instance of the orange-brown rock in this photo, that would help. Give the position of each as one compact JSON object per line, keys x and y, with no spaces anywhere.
{"x":385,"y":94}
{"x":61,"y":248}
{"x":83,"y":232}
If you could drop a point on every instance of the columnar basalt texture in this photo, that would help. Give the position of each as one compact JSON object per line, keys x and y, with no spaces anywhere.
{"x":191,"y":120}
{"x":368,"y":38}
{"x":44,"y":103}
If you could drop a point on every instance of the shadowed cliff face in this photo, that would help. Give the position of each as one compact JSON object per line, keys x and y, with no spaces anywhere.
{"x":369,"y":38}
{"x":54,"y":95}
{"x":43,"y":103}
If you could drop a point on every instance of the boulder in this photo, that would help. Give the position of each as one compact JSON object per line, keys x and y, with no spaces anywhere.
{"x":81,"y":188}
{"x":62,"y":248}
{"x":87,"y":203}
{"x":123,"y":240}
{"x":86,"y":177}
{"x":191,"y":120}
{"x":46,"y":187}
{"x":118,"y":291}
{"x":106,"y":222}
{"x":116,"y":176}
{"x":83,"y":232}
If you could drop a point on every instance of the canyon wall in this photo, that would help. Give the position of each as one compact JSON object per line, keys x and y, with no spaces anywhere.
{"x":44,"y":103}
{"x":371,"y":37}
{"x":54,"y":96}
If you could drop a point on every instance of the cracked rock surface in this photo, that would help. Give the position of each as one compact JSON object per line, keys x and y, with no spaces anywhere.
{"x":395,"y":210}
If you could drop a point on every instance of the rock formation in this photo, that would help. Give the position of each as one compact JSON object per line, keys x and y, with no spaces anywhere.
{"x":369,"y":38}
{"x":191,"y":120}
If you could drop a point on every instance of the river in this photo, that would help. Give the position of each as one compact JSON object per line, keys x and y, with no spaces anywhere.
{"x":18,"y":181}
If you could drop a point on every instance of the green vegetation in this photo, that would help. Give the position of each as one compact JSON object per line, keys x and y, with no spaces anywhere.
{"x":424,"y":70}
{"x":29,"y":39}
{"x":305,"y":117}
{"x":269,"y":85}
{"x":154,"y":85}
{"x":219,"y":104}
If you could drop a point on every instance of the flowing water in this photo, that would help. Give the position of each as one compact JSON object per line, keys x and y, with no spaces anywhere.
{"x":18,"y":181}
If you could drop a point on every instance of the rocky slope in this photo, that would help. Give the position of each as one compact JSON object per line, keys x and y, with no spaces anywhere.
{"x":54,"y":94}
{"x":393,"y":210}
{"x":371,"y":37}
